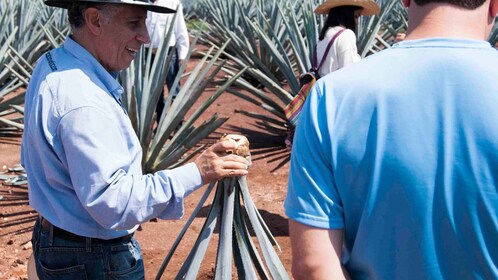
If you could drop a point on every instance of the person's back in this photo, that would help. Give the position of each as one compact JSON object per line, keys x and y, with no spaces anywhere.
{"x":415,"y":168}
{"x":406,"y":146}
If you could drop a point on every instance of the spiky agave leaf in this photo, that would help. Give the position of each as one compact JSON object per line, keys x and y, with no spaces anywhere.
{"x":275,"y":41}
{"x":369,"y":27}
{"x":25,"y":31}
{"x":144,"y":82}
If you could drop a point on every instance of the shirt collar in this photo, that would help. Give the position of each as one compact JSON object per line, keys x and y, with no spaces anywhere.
{"x":443,"y":42}
{"x":108,"y":79}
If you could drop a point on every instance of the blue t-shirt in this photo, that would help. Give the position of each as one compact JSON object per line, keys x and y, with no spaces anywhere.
{"x":82,"y":156}
{"x":401,"y":151}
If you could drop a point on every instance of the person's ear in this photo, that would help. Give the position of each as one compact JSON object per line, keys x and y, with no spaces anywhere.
{"x":406,"y":3}
{"x":93,"y":20}
{"x":493,"y":8}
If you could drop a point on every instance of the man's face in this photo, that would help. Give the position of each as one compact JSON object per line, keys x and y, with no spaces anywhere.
{"x":121,"y":38}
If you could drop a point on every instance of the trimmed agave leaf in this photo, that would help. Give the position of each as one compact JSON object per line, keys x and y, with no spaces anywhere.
{"x":173,"y":248}
{"x":234,"y":239}
{"x":241,"y":252}
{"x":242,"y":227}
{"x":273,"y":262}
{"x":190,"y":267}
{"x":224,"y":256}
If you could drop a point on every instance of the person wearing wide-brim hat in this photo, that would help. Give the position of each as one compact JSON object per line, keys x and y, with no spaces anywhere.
{"x":147,"y":4}
{"x":83,"y":158}
{"x":340,"y":26}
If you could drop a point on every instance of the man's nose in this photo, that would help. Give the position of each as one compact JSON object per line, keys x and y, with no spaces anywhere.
{"x":144,"y":36}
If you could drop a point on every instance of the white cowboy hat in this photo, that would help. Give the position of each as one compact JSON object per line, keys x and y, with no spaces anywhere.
{"x":369,"y":7}
{"x":147,"y":4}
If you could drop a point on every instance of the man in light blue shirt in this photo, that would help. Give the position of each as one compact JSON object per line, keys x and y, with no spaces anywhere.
{"x":394,"y":165}
{"x":83,"y":158}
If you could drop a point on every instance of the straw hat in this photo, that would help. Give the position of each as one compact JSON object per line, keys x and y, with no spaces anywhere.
{"x":369,"y":7}
{"x":147,"y":4}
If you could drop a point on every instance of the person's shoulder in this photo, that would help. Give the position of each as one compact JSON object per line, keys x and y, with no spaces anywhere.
{"x":348,"y":35}
{"x":348,"y":32}
{"x":74,"y":88}
{"x":367,"y":70}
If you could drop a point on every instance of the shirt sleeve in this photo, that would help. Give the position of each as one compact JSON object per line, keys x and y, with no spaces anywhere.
{"x":181,"y":33}
{"x":312,"y":197}
{"x":347,"y":51}
{"x":107,"y":178}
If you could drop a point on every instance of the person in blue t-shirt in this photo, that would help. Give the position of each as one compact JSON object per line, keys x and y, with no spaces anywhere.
{"x":394,"y":166}
{"x":83,"y":158}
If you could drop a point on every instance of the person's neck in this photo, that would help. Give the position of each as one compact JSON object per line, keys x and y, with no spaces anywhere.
{"x":85,"y":41}
{"x":443,"y":20}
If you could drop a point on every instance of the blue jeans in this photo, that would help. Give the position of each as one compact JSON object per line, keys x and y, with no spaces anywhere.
{"x":59,"y":258}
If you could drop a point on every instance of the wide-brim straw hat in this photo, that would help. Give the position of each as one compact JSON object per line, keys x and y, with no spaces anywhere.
{"x":369,"y":7}
{"x":147,"y":4}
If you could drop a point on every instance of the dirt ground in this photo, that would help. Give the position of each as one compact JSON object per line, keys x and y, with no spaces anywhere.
{"x":267,"y":181}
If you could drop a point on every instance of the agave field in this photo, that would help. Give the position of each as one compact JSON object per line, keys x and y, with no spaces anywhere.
{"x":263,"y":46}
{"x":252,"y":50}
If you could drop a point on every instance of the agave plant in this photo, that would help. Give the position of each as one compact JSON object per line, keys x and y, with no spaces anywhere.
{"x":27,"y":30}
{"x":274,"y":40}
{"x":371,"y":37}
{"x":235,"y":219}
{"x":395,"y":22}
{"x":259,"y":34}
{"x":144,"y":81}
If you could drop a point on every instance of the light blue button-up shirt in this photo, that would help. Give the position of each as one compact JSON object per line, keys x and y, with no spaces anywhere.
{"x":82,"y":156}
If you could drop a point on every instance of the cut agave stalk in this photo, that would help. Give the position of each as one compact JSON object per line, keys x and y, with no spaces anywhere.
{"x":235,"y":242}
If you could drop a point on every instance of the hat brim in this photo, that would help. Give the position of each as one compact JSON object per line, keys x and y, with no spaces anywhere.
{"x":368,"y":7}
{"x":65,"y":4}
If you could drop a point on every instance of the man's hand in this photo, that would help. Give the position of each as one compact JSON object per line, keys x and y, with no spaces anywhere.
{"x":215,"y":163}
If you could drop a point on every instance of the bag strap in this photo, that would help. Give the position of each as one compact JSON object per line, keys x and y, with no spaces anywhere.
{"x":326,"y":51}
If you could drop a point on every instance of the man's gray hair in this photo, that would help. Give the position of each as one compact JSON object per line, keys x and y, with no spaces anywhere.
{"x":76,"y":11}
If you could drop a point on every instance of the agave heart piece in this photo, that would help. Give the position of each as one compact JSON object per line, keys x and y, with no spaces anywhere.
{"x":241,"y":145}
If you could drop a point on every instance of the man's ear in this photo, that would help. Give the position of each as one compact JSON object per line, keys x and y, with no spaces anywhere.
{"x":406,"y":3}
{"x":493,"y":8}
{"x":93,"y":20}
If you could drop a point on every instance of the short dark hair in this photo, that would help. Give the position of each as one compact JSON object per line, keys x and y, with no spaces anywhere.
{"x":340,"y":16}
{"x":467,"y":4}
{"x":75,"y":12}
